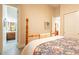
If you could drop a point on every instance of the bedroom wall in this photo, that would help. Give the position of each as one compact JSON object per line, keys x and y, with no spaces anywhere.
{"x":21,"y":28}
{"x":57,"y":11}
{"x":37,"y":14}
{"x":67,"y":9}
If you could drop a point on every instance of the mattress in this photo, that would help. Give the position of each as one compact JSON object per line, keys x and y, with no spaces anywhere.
{"x":30,"y":47}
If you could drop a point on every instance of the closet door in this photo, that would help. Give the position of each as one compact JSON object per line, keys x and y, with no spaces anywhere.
{"x":71,"y":25}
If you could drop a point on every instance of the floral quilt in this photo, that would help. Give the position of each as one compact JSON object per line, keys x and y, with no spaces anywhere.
{"x":64,"y":46}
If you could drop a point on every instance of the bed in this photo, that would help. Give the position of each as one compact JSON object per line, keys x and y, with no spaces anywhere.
{"x":29,"y":48}
{"x":57,"y":45}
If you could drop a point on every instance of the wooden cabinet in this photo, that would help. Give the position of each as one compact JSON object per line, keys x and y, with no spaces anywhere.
{"x":10,"y":35}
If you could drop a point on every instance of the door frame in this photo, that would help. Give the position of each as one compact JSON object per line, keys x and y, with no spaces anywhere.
{"x":16,"y":35}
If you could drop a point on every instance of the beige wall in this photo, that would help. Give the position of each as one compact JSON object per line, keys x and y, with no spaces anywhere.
{"x":37,"y":14}
{"x":57,"y":11}
{"x":1,"y":28}
{"x":67,"y":9}
{"x":21,"y":28}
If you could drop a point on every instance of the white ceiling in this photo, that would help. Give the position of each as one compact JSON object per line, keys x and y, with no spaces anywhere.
{"x":53,"y":5}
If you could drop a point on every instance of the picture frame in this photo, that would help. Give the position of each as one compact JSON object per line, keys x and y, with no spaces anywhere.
{"x":46,"y":25}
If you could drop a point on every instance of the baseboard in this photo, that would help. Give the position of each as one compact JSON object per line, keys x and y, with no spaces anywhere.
{"x":21,"y":45}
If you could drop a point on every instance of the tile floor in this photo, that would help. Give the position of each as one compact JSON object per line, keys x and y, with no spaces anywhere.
{"x":11,"y":48}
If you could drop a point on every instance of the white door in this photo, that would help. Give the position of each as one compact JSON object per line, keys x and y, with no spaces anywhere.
{"x":71,"y":25}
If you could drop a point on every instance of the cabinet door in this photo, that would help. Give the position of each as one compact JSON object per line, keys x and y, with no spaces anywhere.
{"x":71,"y":25}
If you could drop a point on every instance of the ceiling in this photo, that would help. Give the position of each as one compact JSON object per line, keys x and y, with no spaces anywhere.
{"x":53,"y":5}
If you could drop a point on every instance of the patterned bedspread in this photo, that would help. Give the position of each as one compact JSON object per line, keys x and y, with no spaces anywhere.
{"x":58,"y":47}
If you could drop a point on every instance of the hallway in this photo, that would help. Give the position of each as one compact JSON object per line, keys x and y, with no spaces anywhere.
{"x":11,"y":48}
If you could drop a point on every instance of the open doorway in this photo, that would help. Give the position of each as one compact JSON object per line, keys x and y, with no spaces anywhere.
{"x":56,"y":25}
{"x":9,"y":27}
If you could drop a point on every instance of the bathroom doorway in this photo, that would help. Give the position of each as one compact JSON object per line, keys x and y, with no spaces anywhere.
{"x":56,"y":25}
{"x":9,"y":27}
